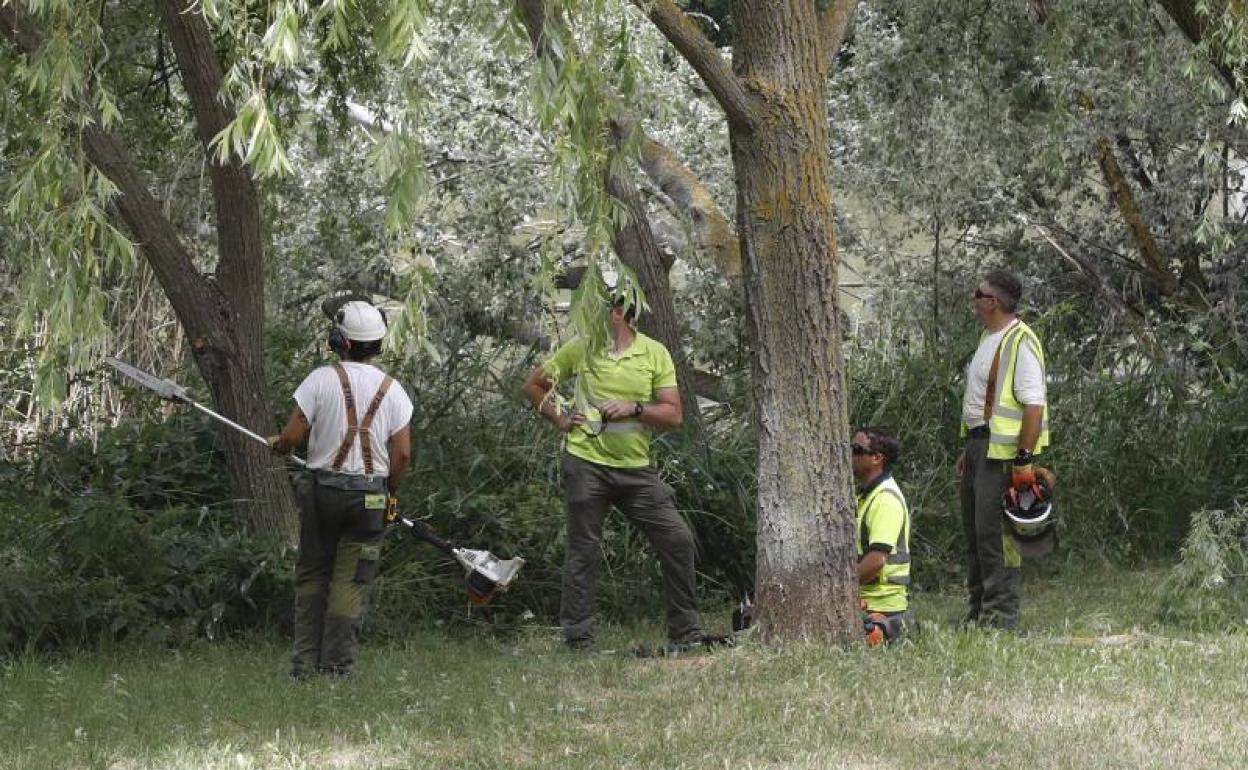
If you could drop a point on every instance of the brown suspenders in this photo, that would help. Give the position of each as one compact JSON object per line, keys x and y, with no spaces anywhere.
{"x":990,"y":393}
{"x":358,"y":428}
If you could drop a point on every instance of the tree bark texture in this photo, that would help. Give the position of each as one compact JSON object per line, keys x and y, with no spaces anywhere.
{"x":774,"y":99}
{"x":805,"y":583}
{"x":223,"y":317}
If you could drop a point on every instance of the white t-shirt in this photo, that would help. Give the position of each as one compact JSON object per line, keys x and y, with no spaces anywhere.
{"x":320,"y":399}
{"x":1028,"y":378}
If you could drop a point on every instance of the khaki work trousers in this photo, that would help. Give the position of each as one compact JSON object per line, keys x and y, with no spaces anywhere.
{"x":994,"y":578}
{"x":646,"y":501}
{"x":339,"y":546}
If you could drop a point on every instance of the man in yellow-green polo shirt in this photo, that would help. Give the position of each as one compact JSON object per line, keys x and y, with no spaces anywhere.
{"x":628,"y":391}
{"x":883,"y":533}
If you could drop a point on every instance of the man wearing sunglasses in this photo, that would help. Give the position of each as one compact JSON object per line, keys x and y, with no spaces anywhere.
{"x":883,"y":529}
{"x":1005,"y":423}
{"x":631,"y":389}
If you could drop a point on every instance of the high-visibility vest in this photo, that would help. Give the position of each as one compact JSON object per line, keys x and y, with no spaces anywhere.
{"x":1006,"y":422}
{"x":892,"y":578}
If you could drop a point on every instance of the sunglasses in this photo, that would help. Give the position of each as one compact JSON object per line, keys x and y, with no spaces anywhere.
{"x":981,"y":295}
{"x":859,"y":449}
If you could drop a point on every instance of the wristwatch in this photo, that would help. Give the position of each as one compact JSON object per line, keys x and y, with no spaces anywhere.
{"x":638,"y":409}
{"x":1023,"y":457}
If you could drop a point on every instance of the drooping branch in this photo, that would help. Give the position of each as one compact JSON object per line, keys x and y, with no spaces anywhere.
{"x":1195,"y":27}
{"x":683,"y":33}
{"x":634,"y":241}
{"x":189,"y":294}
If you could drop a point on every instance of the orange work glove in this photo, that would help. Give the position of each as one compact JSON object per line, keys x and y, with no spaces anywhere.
{"x":1023,"y":475}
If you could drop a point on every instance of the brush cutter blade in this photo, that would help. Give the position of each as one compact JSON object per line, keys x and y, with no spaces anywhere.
{"x":162,"y":388}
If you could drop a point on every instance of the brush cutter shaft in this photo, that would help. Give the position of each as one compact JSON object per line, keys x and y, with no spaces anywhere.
{"x":174,"y":392}
{"x":422,"y":531}
{"x":227,"y":421}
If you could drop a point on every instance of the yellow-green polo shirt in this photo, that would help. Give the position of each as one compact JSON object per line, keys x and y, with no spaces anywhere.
{"x":634,"y":375}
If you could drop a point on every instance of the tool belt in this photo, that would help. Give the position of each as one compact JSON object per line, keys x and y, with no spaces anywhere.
{"x":349,"y":481}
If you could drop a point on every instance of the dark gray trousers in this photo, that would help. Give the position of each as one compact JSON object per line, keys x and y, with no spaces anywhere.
{"x":339,"y":546}
{"x":993,"y":576}
{"x":646,"y":501}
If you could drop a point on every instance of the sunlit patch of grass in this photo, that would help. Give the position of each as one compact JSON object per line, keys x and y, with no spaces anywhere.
{"x":1055,"y":697}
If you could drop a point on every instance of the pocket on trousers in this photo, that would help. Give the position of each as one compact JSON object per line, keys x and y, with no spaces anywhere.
{"x":366,"y":564}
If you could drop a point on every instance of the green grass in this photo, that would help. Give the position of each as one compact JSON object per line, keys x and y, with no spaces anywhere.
{"x":1052,"y":698}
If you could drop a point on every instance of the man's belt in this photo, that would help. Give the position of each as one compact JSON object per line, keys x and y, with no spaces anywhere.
{"x":349,"y":481}
{"x":978,"y":432}
{"x":627,"y":426}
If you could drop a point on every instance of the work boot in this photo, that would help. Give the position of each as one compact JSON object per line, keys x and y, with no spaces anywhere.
{"x":584,"y":644}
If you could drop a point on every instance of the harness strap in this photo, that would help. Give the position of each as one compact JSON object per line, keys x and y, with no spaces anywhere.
{"x":349,"y":401}
{"x":991,"y":390}
{"x":366,"y":440}
{"x":357,"y":428}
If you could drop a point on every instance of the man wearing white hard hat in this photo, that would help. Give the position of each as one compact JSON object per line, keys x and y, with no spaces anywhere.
{"x":355,"y":417}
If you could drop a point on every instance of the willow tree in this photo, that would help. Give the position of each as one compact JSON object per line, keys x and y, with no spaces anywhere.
{"x":773,"y":97}
{"x":89,"y":119}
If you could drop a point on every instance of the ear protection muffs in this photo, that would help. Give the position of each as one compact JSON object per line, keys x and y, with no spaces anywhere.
{"x":337,"y":340}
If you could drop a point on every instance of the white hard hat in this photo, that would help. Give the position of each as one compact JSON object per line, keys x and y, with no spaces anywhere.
{"x":360,"y":321}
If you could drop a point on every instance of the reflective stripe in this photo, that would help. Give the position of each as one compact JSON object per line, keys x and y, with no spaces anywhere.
{"x":899,"y":580}
{"x":997,"y":438}
{"x":898,"y":558}
{"x":1003,"y":366}
{"x":1005,"y":411}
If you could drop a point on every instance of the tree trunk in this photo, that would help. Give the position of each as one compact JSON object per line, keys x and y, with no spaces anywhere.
{"x":805,"y":583}
{"x":776,"y":107}
{"x":232,"y":362}
{"x":636,"y":246}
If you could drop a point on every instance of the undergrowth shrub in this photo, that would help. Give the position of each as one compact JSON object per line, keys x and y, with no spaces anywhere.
{"x":103,"y":570}
{"x":1208,"y":589}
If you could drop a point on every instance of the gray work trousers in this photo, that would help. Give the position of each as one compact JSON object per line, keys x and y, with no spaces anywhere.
{"x":993,"y":574}
{"x":646,"y":501}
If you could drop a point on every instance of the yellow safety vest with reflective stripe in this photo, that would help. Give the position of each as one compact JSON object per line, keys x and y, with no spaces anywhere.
{"x":887,"y":593}
{"x":1006,"y":422}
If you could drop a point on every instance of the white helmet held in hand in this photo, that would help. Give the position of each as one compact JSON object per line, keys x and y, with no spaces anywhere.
{"x":360,"y":321}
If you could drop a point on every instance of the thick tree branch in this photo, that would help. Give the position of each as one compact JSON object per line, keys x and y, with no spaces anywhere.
{"x":239,"y":240}
{"x":1129,"y":209}
{"x":715,"y":234}
{"x":683,"y":33}
{"x":1194,"y":26}
{"x":833,"y":22}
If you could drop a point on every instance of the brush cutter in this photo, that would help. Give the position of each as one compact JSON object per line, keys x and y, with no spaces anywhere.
{"x":487,"y":574}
